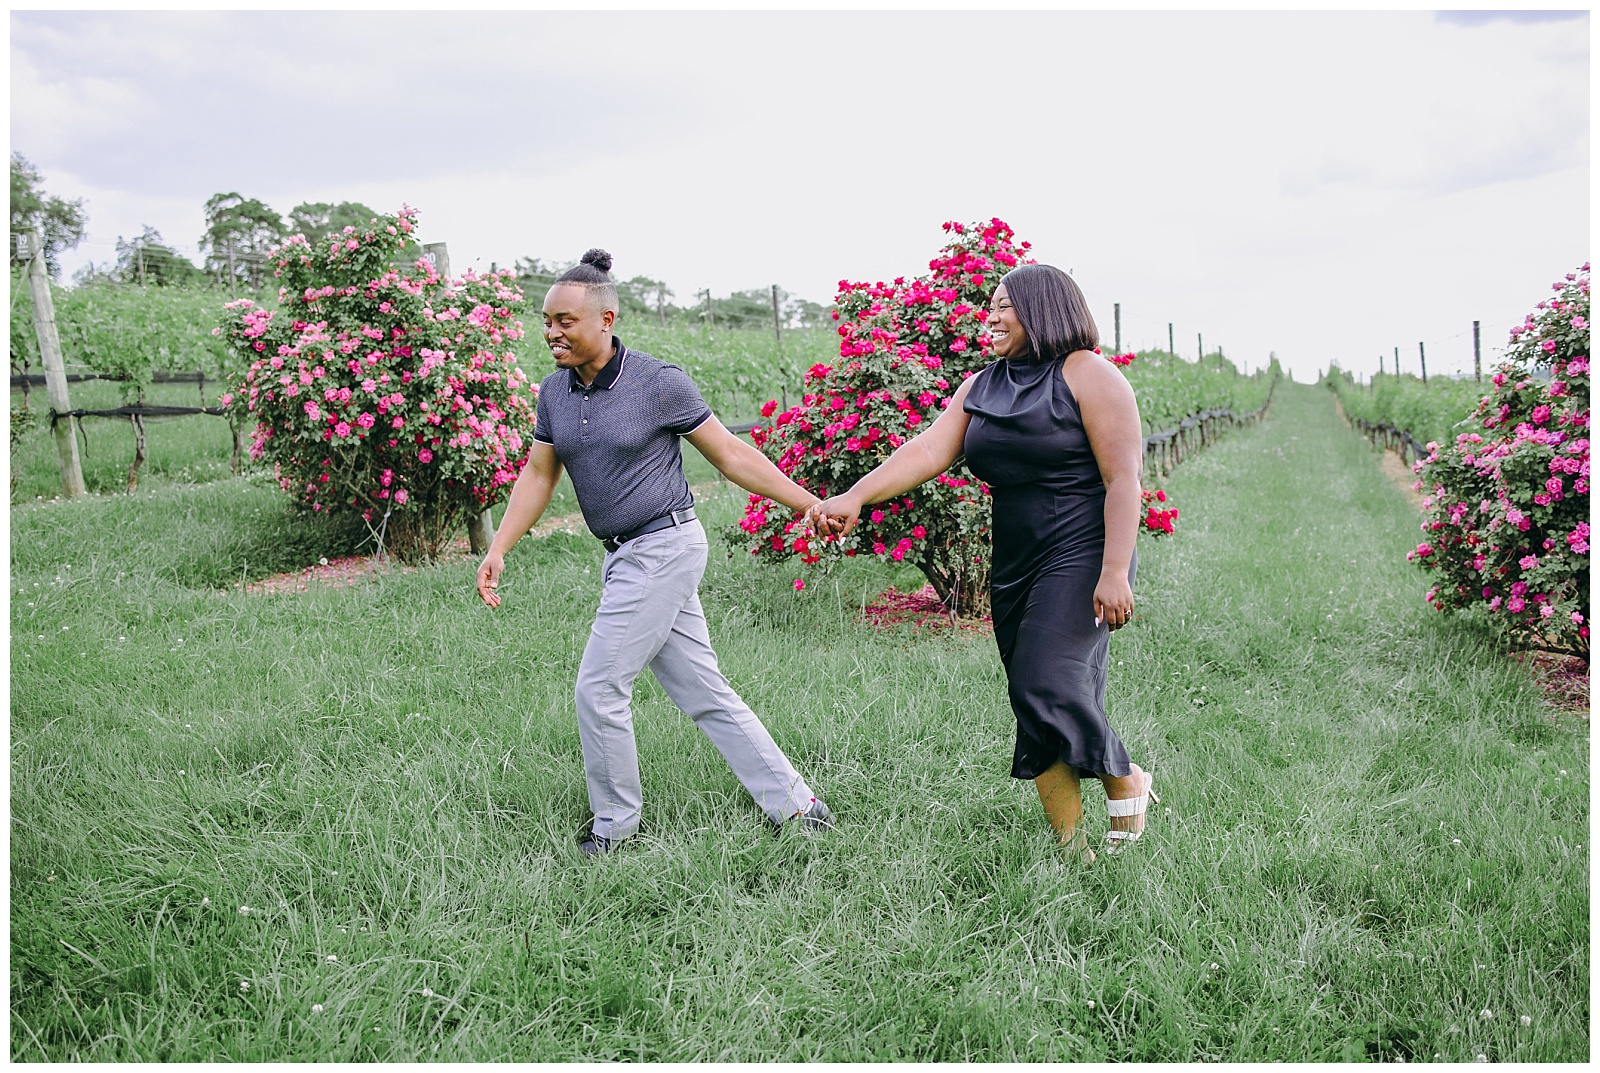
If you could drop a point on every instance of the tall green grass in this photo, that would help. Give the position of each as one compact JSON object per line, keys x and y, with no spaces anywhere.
{"x":1377,"y":830}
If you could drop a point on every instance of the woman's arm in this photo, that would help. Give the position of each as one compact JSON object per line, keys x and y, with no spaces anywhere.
{"x":1111,"y":418}
{"x":918,"y":459}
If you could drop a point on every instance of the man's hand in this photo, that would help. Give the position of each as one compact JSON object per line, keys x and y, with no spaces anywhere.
{"x":834,"y":517}
{"x":489,"y":578}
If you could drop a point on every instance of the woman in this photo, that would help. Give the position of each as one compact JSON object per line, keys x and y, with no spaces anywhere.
{"x":1053,"y":428}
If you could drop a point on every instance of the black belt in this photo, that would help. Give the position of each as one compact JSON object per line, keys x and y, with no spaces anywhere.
{"x":666,"y":521}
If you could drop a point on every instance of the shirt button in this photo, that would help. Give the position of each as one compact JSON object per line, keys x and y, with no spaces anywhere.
{"x":586,"y":420}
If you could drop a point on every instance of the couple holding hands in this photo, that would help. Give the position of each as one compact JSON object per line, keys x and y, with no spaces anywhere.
{"x":1051,"y":427}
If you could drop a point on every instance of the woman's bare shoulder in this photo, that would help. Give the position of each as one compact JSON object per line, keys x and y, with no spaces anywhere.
{"x":1092,"y":377}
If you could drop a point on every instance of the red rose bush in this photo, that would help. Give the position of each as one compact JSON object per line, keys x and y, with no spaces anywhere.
{"x":378,"y":387}
{"x":1508,"y":502}
{"x":904,"y":347}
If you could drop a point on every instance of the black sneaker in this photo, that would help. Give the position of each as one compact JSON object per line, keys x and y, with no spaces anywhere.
{"x":594,"y":845}
{"x":814,"y":817}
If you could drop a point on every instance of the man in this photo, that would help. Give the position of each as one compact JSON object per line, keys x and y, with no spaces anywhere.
{"x":612,"y":417}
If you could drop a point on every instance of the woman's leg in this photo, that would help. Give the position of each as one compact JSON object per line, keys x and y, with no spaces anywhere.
{"x":1123,"y":787}
{"x":1063,"y":806}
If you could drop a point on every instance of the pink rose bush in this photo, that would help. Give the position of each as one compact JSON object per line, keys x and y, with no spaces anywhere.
{"x":1508,"y":502}
{"x":378,"y":387}
{"x":904,"y":348}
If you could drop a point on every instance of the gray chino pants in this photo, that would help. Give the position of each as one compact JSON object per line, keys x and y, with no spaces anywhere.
{"x":650,"y":616}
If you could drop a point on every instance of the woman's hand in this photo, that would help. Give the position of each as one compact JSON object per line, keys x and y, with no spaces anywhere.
{"x":489,"y":578}
{"x":834,"y":517}
{"x":1113,"y":600}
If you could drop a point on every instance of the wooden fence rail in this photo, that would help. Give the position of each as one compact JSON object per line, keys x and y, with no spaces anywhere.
{"x":1399,"y":440}
{"x":1164,"y":450}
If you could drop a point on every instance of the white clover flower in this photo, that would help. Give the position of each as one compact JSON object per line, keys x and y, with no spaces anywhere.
{"x":1486,"y":1013}
{"x":244,"y":985}
{"x":1526,"y":1020}
{"x":1563,"y":774}
{"x":316,"y":1007}
{"x":427,"y":992}
{"x":332,"y":958}
{"x":1481,"y":1058}
{"x":1455,"y":841}
{"x":205,"y":901}
{"x":244,"y":910}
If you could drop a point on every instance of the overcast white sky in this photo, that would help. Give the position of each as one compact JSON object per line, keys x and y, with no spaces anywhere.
{"x":1323,"y":185}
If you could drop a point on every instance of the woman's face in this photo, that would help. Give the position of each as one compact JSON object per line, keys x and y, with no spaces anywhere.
{"x":1006,"y":337}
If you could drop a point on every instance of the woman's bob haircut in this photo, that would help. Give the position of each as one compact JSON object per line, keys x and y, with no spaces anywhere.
{"x":1053,"y":311}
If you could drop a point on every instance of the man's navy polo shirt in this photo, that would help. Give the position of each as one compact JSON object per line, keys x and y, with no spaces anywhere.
{"x":618,"y":437}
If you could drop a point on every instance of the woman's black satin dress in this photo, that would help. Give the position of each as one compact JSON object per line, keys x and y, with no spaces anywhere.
{"x":1026,"y":440}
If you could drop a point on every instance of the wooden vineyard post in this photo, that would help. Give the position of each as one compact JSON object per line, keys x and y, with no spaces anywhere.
{"x":55,"y":371}
{"x":777,"y":327}
{"x":233,"y":280}
{"x":1397,"y":361}
{"x":480,"y":527}
{"x":1422,"y":356}
{"x":138,"y":451}
{"x":1200,"y":345}
{"x":1477,"y":354}
{"x":1116,"y":316}
{"x":1172,"y":347}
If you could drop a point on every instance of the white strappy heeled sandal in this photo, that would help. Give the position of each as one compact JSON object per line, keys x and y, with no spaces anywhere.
{"x":1129,"y":806}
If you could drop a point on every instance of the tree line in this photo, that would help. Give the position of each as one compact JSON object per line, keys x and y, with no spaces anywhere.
{"x":241,"y":231}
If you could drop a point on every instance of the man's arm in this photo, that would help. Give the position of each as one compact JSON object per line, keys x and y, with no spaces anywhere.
{"x":747,"y":467}
{"x":529,"y":498}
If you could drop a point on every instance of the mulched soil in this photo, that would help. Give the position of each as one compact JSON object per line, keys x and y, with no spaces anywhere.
{"x":1564,"y":679}
{"x":922,"y":609}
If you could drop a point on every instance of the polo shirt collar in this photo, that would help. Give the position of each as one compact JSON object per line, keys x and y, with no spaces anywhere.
{"x":606,"y":376}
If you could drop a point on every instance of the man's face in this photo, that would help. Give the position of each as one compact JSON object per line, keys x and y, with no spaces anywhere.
{"x":577,"y":327}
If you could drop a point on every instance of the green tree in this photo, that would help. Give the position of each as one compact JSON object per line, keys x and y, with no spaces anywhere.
{"x":645,"y":299}
{"x":149,"y":260}
{"x":63,"y":222}
{"x":803,"y":313}
{"x":317,"y":219}
{"x":240,"y":232}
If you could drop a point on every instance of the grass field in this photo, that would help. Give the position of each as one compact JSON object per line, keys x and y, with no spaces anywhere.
{"x":341,"y":825}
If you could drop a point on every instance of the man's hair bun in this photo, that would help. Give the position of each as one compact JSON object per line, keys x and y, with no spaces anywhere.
{"x":599,"y":258}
